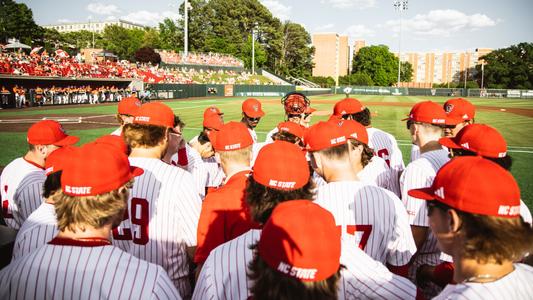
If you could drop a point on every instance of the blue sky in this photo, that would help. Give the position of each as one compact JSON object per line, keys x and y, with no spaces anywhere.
{"x":454,"y":25}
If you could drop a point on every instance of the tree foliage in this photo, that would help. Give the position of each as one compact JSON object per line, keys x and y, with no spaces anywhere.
{"x":296,"y":51}
{"x":406,"y":71}
{"x":356,"y":79}
{"x":147,"y":55}
{"x":121,"y":41}
{"x":510,"y":67}
{"x":378,"y":63}
{"x":16,"y":21}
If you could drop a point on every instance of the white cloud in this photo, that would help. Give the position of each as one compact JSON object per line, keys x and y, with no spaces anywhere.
{"x":149,"y":18}
{"x":64,"y":21}
{"x":324,"y":27}
{"x":278,"y":9}
{"x":441,"y":23}
{"x":360,"y":4}
{"x":102,"y":9}
{"x":110,"y":18}
{"x":358,"y":31}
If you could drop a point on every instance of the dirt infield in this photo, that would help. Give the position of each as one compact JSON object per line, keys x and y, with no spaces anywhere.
{"x":92,"y":121}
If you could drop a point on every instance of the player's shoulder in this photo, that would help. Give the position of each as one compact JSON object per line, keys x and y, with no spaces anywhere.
{"x":14,"y":166}
{"x":44,"y":215}
{"x":240,"y":243}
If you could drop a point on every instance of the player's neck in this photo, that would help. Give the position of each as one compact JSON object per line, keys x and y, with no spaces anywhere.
{"x":470,"y":270}
{"x":232,"y":169}
{"x":89,"y":232}
{"x":146,"y":152}
{"x":34,"y":158}
{"x":429,"y":145}
{"x":340,"y":171}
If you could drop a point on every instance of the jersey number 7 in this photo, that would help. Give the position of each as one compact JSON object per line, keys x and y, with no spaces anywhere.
{"x":361,"y":232}
{"x":140,"y":218}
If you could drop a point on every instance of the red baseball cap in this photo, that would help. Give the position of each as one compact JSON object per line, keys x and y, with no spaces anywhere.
{"x":115,"y":141}
{"x":428,"y":112}
{"x":49,"y":132}
{"x":231,"y":136}
{"x":309,"y":110}
{"x":252,"y":108}
{"x":301,"y":240}
{"x":155,"y":113}
{"x":212,"y":121}
{"x":212,"y":110}
{"x":478,"y":138}
{"x":58,"y":158}
{"x":348,"y":106}
{"x":281,"y":165}
{"x":96,"y":169}
{"x":129,"y":106}
{"x":353,"y":130}
{"x":324,"y":135}
{"x":460,"y":109}
{"x":474,"y":185}
{"x":293,"y":128}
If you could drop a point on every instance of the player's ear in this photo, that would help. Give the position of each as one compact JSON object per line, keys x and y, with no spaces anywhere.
{"x":454,"y":220}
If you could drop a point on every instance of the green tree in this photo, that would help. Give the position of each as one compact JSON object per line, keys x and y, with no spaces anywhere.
{"x":324,"y":82}
{"x":121,"y":41}
{"x":510,"y":67}
{"x":296,"y":51}
{"x":259,"y":55}
{"x":361,"y":79}
{"x":170,"y":36}
{"x":16,"y":21}
{"x":81,"y":39}
{"x":147,"y":55}
{"x":406,"y":71}
{"x":378,"y":63}
{"x":151,"y":39}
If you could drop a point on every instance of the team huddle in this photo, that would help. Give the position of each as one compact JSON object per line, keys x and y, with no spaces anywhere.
{"x":323,"y":211}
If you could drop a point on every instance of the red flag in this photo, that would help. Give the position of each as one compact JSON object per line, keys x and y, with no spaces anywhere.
{"x":61,"y":53}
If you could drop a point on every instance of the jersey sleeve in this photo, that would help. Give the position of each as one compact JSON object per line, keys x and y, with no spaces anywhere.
{"x":365,"y":278}
{"x":28,"y":196}
{"x":189,"y":207}
{"x":402,"y":246}
{"x":210,"y":232}
{"x":164,"y":288}
{"x":415,"y":177}
{"x":205,"y":284}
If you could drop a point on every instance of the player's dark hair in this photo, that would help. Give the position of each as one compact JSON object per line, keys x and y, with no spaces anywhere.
{"x":31,"y":147}
{"x":144,"y":136}
{"x":285,"y":136}
{"x":52,"y":184}
{"x":335,"y":152}
{"x":268,"y":283}
{"x":492,"y":239}
{"x":203,"y":138}
{"x":505,"y":162}
{"x":362,"y":117}
{"x":178,"y":122}
{"x":262,"y":199}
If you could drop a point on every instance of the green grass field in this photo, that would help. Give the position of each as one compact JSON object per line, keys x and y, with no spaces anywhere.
{"x":517,"y":129}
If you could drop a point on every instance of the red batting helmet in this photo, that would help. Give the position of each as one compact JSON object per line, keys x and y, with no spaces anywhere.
{"x":295,"y":103}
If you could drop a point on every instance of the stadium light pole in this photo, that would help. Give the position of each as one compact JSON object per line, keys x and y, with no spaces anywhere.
{"x":253,"y":50}
{"x":186,"y":29}
{"x":466,"y":68}
{"x":401,"y":6}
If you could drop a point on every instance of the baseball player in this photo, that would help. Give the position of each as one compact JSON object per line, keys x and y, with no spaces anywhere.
{"x":276,"y":180}
{"x":426,"y":122}
{"x":297,"y":110}
{"x":127,"y":109}
{"x":473,"y":207}
{"x":165,"y":207}
{"x":225,"y":214}
{"x":460,"y":113}
{"x":251,"y":115}
{"x":80,"y":262}
{"x":372,"y":217}
{"x":285,"y":131}
{"x":21,"y":180}
{"x":383,"y":143}
{"x":41,"y":226}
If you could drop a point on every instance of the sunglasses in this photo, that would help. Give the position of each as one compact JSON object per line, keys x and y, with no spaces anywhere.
{"x":294,"y":116}
{"x":253,"y":119}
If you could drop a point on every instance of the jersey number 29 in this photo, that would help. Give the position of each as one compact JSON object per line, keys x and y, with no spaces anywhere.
{"x":140,"y":218}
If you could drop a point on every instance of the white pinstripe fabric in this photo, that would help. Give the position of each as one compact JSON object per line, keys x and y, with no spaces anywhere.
{"x":28,"y":196}
{"x":380,"y":140}
{"x":269,"y":135}
{"x":224,"y":274}
{"x":215,"y":174}
{"x":377,"y":172}
{"x":73,"y":272}
{"x":195,"y":166}
{"x":516,"y":285}
{"x":355,"y":203}
{"x":173,"y":211}
{"x":12,"y":175}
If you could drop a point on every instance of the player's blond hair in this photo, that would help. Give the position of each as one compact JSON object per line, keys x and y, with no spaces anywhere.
{"x":75,"y":213}
{"x":340,"y":152}
{"x":268,"y":283}
{"x":236,"y":156}
{"x":144,"y":136}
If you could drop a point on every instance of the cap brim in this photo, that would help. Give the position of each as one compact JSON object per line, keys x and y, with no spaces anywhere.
{"x":408,"y":118}
{"x":255,"y":114}
{"x":309,"y":110}
{"x":423,"y":193}
{"x":136,"y":171}
{"x":453,"y":120}
{"x":448,"y":142}
{"x":69,"y":140}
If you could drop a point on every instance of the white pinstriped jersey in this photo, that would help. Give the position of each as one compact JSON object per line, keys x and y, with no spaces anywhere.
{"x":74,"y":272}
{"x":28,"y":196}
{"x":164,"y":210}
{"x":14,"y":208}
{"x":386,"y":147}
{"x":256,"y":147}
{"x":253,"y":134}
{"x":215,"y":174}
{"x":224,"y":274}
{"x":515,"y":285}
{"x":420,"y":173}
{"x":117,"y":131}
{"x":415,"y":152}
{"x":269,"y":135}
{"x":319,"y":180}
{"x":196,"y":167}
{"x":376,"y":172}
{"x":41,"y":227}
{"x":373,"y":217}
